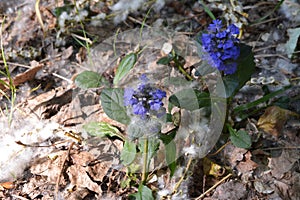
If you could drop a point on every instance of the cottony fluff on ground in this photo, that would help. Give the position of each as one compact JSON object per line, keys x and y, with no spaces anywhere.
{"x":291,"y":10}
{"x":124,"y":7}
{"x":14,"y":157}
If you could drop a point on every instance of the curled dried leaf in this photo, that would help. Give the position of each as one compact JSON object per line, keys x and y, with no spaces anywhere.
{"x":273,"y":120}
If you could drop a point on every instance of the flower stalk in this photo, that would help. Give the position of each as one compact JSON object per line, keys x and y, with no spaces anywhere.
{"x":145,"y":163}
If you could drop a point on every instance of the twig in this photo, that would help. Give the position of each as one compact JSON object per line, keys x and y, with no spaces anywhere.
{"x":266,"y":21}
{"x":62,"y":169}
{"x":138,"y":22}
{"x":219,"y":150}
{"x":16,"y":64}
{"x":279,"y":148}
{"x":87,"y":40}
{"x":63,"y":78}
{"x":264,"y":48}
{"x":271,"y":55}
{"x":213,"y":187}
{"x":183,"y":176}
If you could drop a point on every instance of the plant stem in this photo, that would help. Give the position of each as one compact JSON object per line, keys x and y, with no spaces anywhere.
{"x":145,"y":166}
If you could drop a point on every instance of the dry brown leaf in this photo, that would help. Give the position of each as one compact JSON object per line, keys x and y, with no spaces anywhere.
{"x":23,"y":77}
{"x":79,"y":177}
{"x":7,"y":185}
{"x":247,"y":165}
{"x":50,"y":167}
{"x":82,"y":158}
{"x":47,"y":104}
{"x":284,"y":163}
{"x":273,"y":119}
{"x":236,"y":155}
{"x":230,"y":190}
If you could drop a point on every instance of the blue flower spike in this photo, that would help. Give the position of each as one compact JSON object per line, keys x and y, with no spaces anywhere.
{"x":146,"y":100}
{"x":220,"y":46}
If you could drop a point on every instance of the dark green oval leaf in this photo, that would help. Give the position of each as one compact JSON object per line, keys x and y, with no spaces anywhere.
{"x":240,"y":138}
{"x":102,"y":129}
{"x":128,"y":152}
{"x":170,"y":153}
{"x":190,"y":99}
{"x":164,"y":60}
{"x":170,"y":150}
{"x":90,"y":79}
{"x":125,"y":66}
{"x":245,"y":69}
{"x":112,"y":102}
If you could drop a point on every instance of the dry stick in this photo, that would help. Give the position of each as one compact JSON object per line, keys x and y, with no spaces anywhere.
{"x":61,"y":170}
{"x":219,"y":150}
{"x":183,"y":176}
{"x":213,"y":187}
{"x":16,"y":64}
{"x":63,"y":78}
{"x":138,"y":22}
{"x":271,"y":55}
{"x":264,"y":48}
{"x":280,"y":148}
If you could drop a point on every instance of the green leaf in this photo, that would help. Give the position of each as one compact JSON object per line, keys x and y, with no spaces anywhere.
{"x":240,"y":138}
{"x":128,"y":152}
{"x":245,"y":69}
{"x":144,"y":193}
{"x":166,"y":139}
{"x":112,"y":102}
{"x":170,"y":153}
{"x":164,"y":60}
{"x":90,"y":79}
{"x":102,"y":129}
{"x":242,"y":109}
{"x":125,"y":66}
{"x":170,"y":150}
{"x":190,"y":99}
{"x":231,"y":85}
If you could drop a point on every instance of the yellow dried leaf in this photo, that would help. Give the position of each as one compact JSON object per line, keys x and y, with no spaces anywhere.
{"x":211,"y":168}
{"x":273,"y":119}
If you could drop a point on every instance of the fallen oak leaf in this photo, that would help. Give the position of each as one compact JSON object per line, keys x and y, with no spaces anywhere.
{"x":21,"y":78}
{"x":273,"y":120}
{"x":248,"y":165}
{"x":7,"y":185}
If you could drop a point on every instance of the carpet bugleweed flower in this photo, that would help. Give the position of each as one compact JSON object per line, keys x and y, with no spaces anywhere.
{"x":220,"y":46}
{"x":146,"y":100}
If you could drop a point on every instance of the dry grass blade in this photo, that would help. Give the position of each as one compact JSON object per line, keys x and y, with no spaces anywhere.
{"x":38,"y":14}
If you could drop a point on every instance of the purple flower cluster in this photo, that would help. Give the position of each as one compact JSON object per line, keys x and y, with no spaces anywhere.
{"x":146,"y":100}
{"x":221,"y":46}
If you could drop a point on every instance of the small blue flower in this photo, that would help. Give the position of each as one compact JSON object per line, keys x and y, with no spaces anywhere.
{"x":146,"y":100}
{"x":221,"y":34}
{"x":233,"y":29}
{"x":158,"y":94}
{"x":139,"y":109}
{"x":221,"y":46}
{"x":128,"y":94}
{"x":215,"y":26}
